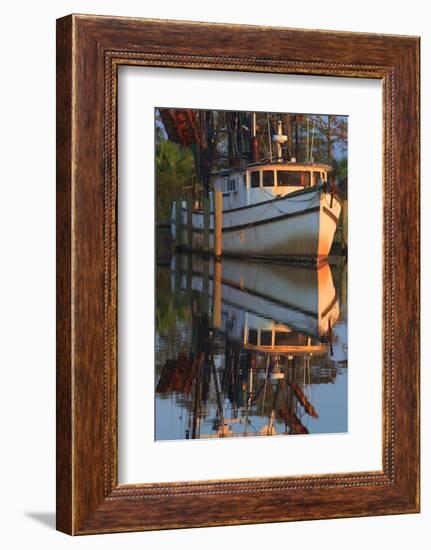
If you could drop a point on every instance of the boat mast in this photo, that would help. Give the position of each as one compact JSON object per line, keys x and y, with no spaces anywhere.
{"x":254,"y":146}
{"x":279,"y":138}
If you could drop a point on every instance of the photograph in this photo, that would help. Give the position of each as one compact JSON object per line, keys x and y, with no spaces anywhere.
{"x":251,"y":212}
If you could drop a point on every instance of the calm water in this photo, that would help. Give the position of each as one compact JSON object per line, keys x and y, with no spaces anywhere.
{"x":248,"y":349}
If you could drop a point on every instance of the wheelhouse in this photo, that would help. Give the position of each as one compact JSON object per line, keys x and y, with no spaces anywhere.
{"x":278,"y":338}
{"x":275,"y":176}
{"x":254,"y":183}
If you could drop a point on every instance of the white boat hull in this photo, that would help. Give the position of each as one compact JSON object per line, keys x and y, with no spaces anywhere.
{"x":289,"y":226}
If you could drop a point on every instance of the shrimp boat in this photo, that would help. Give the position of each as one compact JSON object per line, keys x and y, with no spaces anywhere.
{"x":278,"y":209}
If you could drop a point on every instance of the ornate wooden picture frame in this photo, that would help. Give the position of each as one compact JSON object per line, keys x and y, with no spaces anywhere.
{"x":89,"y":51}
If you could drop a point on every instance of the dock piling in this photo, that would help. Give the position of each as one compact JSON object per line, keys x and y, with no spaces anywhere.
{"x":178,"y":222}
{"x":189,"y":223}
{"x":206,"y":234}
{"x":217,"y":295}
{"x":205,"y":288}
{"x":218,"y":213}
{"x":177,"y":278}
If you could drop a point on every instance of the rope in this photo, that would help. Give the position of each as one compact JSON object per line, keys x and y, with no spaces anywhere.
{"x":326,"y":200}
{"x":232,"y":235}
{"x":269,"y":137}
{"x":307,"y":201}
{"x":312,"y":140}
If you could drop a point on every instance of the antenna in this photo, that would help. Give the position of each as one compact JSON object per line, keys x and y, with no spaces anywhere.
{"x":254,"y":140}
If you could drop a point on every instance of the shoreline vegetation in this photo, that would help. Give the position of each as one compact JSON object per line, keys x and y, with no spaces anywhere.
{"x":179,"y":166}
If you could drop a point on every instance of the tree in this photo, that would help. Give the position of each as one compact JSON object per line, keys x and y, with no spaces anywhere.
{"x":175,"y":170}
{"x":331,"y":138}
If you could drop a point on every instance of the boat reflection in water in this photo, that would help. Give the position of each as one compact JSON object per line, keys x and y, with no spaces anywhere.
{"x":246,"y":349}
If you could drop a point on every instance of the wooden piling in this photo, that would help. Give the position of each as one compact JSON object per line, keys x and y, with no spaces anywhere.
{"x":178,"y":222}
{"x":206,"y":234}
{"x":189,"y":274}
{"x":344,"y":226}
{"x":177,"y":278}
{"x":217,"y":295}
{"x":205,"y":288}
{"x":218,"y":214}
{"x":189,"y":223}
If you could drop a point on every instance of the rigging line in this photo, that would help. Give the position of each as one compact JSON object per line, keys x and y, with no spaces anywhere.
{"x":266,"y":381}
{"x":217,"y":389}
{"x":233,"y":235}
{"x":326,"y":200}
{"x":312,"y":140}
{"x":269,"y":137}
{"x":248,"y":226}
{"x":271,"y":195}
{"x":227,"y":372}
{"x":283,"y":212}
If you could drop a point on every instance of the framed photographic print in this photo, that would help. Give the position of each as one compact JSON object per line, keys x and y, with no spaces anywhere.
{"x":246,"y":308}
{"x":237,"y":274}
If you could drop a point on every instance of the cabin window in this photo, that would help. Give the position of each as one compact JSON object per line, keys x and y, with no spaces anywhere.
{"x":252,"y":337}
{"x":229,"y":325}
{"x":268,"y":178}
{"x":232,"y":184}
{"x":284,"y":338}
{"x":293,"y":178}
{"x":229,"y":184}
{"x":289,"y":339}
{"x":266,"y":338}
{"x":255,"y":179}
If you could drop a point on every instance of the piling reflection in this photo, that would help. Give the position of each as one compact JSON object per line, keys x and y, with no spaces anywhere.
{"x":246,"y":348}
